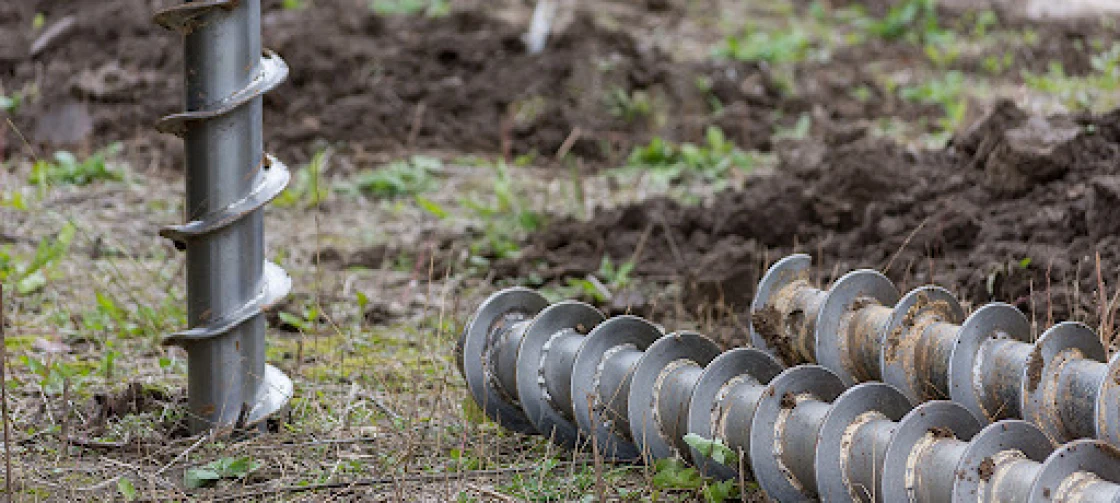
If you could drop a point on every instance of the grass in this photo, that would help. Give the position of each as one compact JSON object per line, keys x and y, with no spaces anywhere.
{"x":775,"y":47}
{"x":947,"y":92}
{"x":400,"y":178}
{"x":1095,"y":91}
{"x":66,"y":168}
{"x":629,"y":106}
{"x":378,"y":396}
{"x":429,"y":8}
{"x":667,"y":162}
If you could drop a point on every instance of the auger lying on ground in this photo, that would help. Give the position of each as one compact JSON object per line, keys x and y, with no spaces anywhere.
{"x":802,"y":432}
{"x":229,"y":180}
{"x":923,"y":344}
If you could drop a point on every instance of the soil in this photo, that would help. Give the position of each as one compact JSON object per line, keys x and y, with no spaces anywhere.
{"x":1017,"y":209}
{"x":460,"y":83}
{"x":987,"y":468}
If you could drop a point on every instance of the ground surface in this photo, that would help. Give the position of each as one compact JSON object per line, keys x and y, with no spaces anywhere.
{"x":655,"y":159}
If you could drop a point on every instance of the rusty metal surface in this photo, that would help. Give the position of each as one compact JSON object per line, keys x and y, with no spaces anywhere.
{"x":802,"y":433}
{"x":925,"y":346}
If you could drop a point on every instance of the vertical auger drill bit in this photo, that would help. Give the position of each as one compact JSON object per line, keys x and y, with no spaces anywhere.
{"x":229,"y":179}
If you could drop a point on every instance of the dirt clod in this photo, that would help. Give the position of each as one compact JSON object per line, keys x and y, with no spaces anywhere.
{"x":987,"y":468}
{"x":768,"y":323}
{"x":1035,"y":364}
{"x":941,"y":432}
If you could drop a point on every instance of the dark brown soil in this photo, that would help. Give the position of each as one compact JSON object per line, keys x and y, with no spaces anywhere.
{"x":1015,"y":210}
{"x":460,"y":83}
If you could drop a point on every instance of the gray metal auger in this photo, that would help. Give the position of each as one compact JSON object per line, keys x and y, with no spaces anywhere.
{"x":565,"y":371}
{"x":229,"y":180}
{"x":923,"y":344}
{"x":801,"y":432}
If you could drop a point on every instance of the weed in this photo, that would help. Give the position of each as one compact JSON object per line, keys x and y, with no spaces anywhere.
{"x":56,"y":376}
{"x":629,"y":106}
{"x":715,"y":450}
{"x":862,"y":93}
{"x":540,"y":485}
{"x":304,"y":322}
{"x":800,"y":129}
{"x":712,"y":449}
{"x":910,"y":17}
{"x":224,"y":468}
{"x":11,"y":103}
{"x":668,"y":162}
{"x":786,"y":46}
{"x":307,"y":188}
{"x":985,"y":20}
{"x":671,"y":474}
{"x":943,"y":48}
{"x":704,"y":85}
{"x":429,"y":8}
{"x":431,"y":207}
{"x":401,"y":178}
{"x":293,"y":4}
{"x":997,"y":64}
{"x":505,"y":220}
{"x":946,"y":92}
{"x":31,"y":276}
{"x":68,"y":169}
{"x":616,"y":277}
{"x":1094,"y":91}
{"x":126,"y":489}
{"x":13,"y":199}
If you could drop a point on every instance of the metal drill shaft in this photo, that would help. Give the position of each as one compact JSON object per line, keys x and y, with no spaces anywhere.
{"x":923,"y":344}
{"x":802,"y":433}
{"x":228,"y":180}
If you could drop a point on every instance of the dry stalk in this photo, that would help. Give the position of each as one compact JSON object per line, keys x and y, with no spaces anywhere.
{"x":4,"y":401}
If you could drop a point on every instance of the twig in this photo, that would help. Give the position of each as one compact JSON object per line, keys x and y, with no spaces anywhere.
{"x":600,"y":287}
{"x":420,"y":477}
{"x":1102,"y":301}
{"x":669,"y":238}
{"x":54,"y":32}
{"x":417,"y":122}
{"x":905,"y":243}
{"x":329,"y":441}
{"x":94,"y":444}
{"x":4,"y":401}
{"x":183,"y":454}
{"x":491,"y":493}
{"x":569,"y":142}
{"x":634,"y":257}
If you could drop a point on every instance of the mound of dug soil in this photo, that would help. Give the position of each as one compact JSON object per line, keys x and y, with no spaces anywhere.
{"x":1015,"y":209}
{"x":460,"y":83}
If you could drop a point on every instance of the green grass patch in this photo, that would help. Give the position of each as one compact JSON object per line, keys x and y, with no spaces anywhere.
{"x":945,"y":91}
{"x":430,"y":8}
{"x":776,"y":47}
{"x":668,"y":162}
{"x":407,"y":177}
{"x":67,"y":168}
{"x":1095,"y":91}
